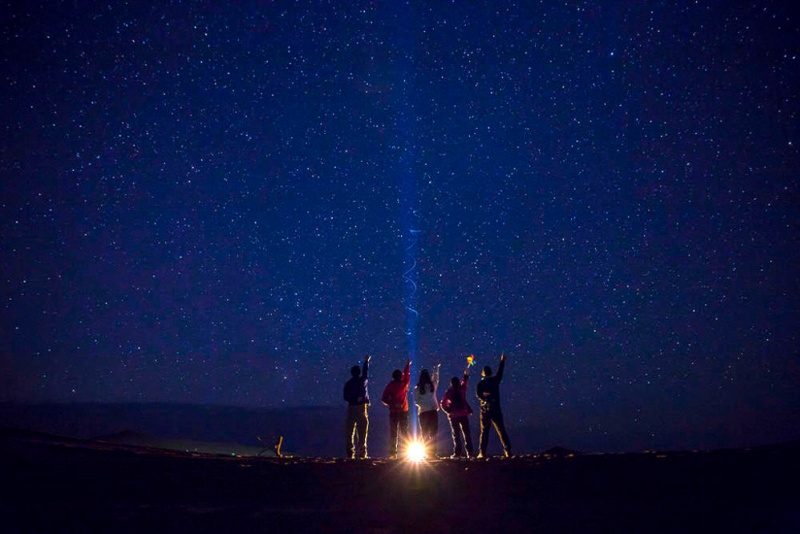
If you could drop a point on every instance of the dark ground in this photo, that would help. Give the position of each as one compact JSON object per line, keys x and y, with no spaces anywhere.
{"x":63,"y":485}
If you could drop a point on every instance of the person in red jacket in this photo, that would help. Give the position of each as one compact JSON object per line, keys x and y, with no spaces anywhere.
{"x":395,"y":396}
{"x":454,"y":403}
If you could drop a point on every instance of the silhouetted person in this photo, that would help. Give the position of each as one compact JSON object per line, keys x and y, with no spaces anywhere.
{"x":395,"y":396}
{"x":428,"y":408}
{"x":357,"y":397}
{"x":458,"y":410}
{"x":488,"y":392}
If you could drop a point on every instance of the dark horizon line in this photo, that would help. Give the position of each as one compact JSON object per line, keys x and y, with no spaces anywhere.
{"x":67,"y":402}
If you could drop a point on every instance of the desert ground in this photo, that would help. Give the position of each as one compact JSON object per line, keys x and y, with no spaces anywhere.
{"x":52,"y":484}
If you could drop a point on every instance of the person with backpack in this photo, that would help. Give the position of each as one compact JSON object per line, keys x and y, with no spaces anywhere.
{"x":428,"y":408}
{"x":357,"y":398}
{"x":488,"y":392}
{"x":395,"y":396}
{"x":455,"y":405}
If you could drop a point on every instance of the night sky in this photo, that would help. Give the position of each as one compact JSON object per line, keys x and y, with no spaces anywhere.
{"x":233,"y":202}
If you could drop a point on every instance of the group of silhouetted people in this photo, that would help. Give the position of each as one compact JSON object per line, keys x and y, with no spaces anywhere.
{"x":454,"y":403}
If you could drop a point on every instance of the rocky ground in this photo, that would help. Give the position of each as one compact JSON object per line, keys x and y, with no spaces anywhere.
{"x":52,"y":484}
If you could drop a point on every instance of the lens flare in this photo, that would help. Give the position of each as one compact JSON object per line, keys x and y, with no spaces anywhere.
{"x":415,"y":452}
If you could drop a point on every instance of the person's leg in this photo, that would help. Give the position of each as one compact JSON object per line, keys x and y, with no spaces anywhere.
{"x":486,"y":424}
{"x":349,"y":430}
{"x":394,"y":421}
{"x":433,"y":432}
{"x":455,"y":429}
{"x":500,"y":427}
{"x":362,"y":427}
{"x":403,"y":429}
{"x":468,"y":437}
{"x":424,"y":431}
{"x":423,"y":426}
{"x":431,"y":424}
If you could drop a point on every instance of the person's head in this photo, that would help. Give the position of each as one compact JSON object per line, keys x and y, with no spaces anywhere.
{"x":397,"y":375}
{"x":487,"y":371}
{"x":424,"y":381}
{"x":355,"y":371}
{"x":456,"y":390}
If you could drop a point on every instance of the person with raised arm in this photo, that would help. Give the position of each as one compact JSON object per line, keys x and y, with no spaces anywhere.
{"x":488,"y":392}
{"x":428,"y":408}
{"x":455,"y":405}
{"x":395,"y":396}
{"x":357,"y":398}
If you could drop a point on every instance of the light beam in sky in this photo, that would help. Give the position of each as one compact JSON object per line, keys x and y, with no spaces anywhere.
{"x":408,"y":192}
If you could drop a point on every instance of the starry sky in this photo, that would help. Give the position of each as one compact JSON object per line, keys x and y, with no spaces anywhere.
{"x":233,"y":202}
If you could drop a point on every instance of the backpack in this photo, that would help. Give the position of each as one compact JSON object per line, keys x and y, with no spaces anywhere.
{"x":450,"y":405}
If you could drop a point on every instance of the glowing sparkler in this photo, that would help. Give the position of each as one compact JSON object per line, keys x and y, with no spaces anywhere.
{"x":470,"y":360}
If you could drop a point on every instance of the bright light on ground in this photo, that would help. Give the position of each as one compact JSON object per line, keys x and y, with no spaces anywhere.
{"x":416,"y":451}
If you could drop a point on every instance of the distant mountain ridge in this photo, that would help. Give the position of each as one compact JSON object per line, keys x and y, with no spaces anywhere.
{"x":310,"y":431}
{"x":307,"y":431}
{"x":317,"y":431}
